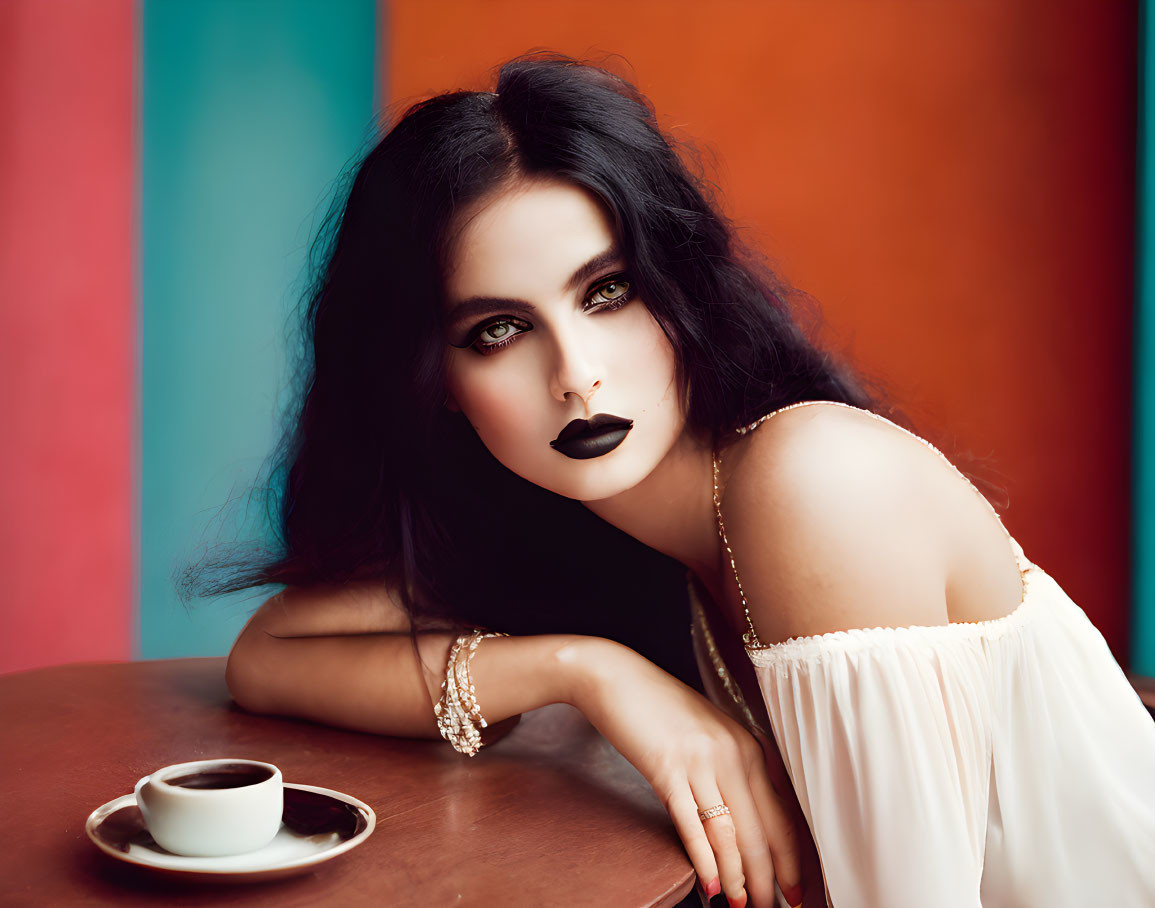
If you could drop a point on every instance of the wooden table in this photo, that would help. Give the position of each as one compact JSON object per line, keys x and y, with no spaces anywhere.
{"x":550,"y":815}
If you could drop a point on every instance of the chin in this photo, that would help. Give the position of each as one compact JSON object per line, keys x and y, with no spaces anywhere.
{"x":598,"y":478}
{"x":600,"y":488}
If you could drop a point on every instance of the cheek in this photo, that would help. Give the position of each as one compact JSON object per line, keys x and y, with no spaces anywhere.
{"x":494,"y":397}
{"x":489,"y":394}
{"x":646,"y":359}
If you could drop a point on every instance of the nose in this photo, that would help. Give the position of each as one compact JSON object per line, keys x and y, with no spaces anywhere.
{"x":586,"y":397}
{"x":574,"y":372}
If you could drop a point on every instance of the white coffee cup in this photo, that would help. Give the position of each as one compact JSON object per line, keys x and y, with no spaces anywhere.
{"x":209,"y":808}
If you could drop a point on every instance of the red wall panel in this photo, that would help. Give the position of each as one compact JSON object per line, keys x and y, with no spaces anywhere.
{"x":67,"y":331}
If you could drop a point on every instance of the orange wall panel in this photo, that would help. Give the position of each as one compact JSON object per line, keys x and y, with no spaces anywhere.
{"x":953,"y":182}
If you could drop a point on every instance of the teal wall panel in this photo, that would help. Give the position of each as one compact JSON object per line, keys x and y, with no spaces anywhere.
{"x":1143,"y":552}
{"x":249,"y":113}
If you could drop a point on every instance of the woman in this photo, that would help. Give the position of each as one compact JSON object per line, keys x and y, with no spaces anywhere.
{"x":542,"y":374}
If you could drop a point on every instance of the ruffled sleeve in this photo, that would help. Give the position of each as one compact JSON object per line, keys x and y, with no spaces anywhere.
{"x":886,"y":735}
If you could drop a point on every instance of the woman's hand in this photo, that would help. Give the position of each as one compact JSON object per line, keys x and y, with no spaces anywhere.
{"x":694,"y":756}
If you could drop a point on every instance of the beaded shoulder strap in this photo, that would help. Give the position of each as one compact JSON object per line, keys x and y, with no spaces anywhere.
{"x":750,"y":637}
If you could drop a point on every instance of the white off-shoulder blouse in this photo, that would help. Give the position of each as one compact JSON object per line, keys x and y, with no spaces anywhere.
{"x":1004,"y":763}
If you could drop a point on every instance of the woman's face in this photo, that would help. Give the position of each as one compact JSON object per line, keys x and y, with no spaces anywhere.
{"x":545,"y":328}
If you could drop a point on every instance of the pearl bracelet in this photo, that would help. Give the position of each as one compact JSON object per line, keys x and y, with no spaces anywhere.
{"x":459,"y":718}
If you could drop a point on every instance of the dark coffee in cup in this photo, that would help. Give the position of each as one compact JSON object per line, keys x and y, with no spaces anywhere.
{"x":212,"y":808}
{"x":222,"y":775}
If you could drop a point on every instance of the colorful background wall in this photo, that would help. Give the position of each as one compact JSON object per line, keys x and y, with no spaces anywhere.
{"x":956,"y":184}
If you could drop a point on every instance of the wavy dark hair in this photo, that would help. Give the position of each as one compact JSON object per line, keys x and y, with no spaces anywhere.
{"x":377,"y":479}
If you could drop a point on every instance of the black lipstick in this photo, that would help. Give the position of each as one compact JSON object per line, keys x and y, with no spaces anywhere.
{"x":582,"y":439}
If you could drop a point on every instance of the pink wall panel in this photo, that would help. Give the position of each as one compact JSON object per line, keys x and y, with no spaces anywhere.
{"x":67,"y":331}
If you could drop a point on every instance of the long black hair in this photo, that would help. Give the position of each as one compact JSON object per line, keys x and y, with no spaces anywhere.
{"x":376,"y":479}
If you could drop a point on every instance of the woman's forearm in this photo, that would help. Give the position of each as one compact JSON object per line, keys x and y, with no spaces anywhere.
{"x":369,"y":679}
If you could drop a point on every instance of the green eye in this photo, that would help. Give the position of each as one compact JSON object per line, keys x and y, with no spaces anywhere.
{"x":614,"y":290}
{"x":496,"y":332}
{"x":611,"y":294}
{"x":495,"y":335}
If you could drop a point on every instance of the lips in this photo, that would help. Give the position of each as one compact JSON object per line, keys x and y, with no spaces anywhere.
{"x":582,"y":439}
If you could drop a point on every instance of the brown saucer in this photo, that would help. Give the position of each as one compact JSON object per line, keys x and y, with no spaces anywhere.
{"x":318,"y":824}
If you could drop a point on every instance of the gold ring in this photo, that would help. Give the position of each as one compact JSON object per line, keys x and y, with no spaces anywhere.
{"x":709,"y":812}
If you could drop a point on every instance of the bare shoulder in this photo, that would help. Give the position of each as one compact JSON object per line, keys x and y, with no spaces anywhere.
{"x":839,"y":520}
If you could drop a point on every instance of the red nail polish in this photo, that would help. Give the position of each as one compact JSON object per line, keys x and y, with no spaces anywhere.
{"x":714,"y":888}
{"x":739,"y":901}
{"x":793,"y":895}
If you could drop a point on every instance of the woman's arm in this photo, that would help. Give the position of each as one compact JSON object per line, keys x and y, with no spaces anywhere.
{"x":343,"y":656}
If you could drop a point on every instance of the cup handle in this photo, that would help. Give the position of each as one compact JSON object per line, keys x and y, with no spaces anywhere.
{"x":136,"y":790}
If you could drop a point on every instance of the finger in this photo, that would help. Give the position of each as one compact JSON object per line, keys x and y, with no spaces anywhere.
{"x":753,"y":846}
{"x":684,"y":812}
{"x":722,"y":837}
{"x":781,"y":834}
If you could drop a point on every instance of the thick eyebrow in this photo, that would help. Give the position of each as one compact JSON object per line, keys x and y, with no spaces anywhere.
{"x":475,"y":306}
